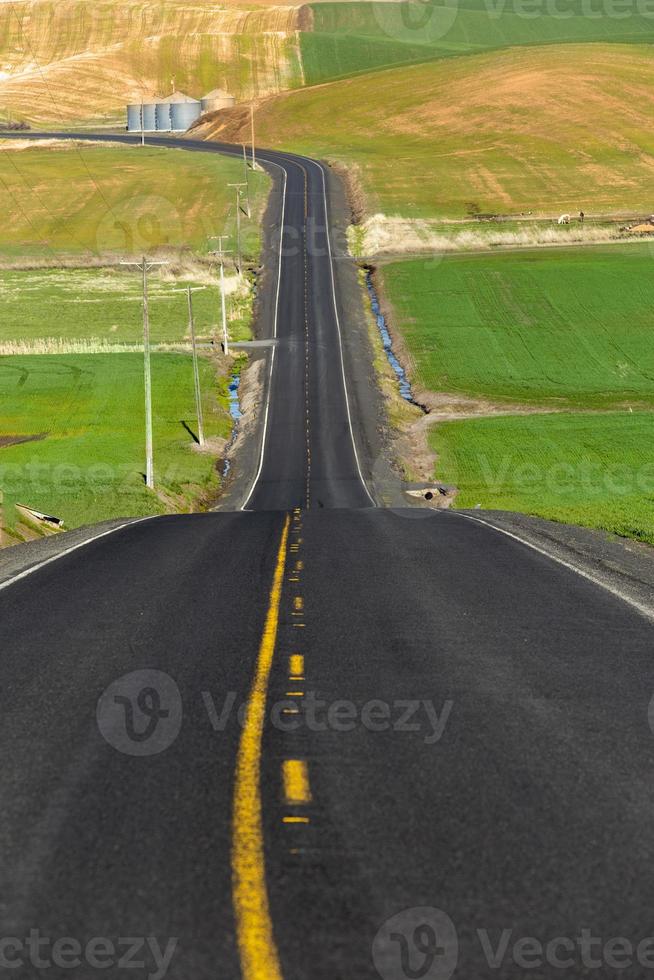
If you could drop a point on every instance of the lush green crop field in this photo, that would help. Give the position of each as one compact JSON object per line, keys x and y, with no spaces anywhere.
{"x":350,"y":38}
{"x":90,"y":200}
{"x":542,"y":129}
{"x":591,"y":469}
{"x":106,"y":305}
{"x":570,"y":328}
{"x":87,"y":412}
{"x":562,"y":326}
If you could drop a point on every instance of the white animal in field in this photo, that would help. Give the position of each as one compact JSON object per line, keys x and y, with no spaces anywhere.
{"x":564,"y":219}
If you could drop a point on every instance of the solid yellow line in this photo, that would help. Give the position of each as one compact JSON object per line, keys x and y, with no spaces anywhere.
{"x":296,"y":781}
{"x":254,"y":931}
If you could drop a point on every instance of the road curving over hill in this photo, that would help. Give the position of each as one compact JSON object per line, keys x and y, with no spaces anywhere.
{"x":321,"y":739}
{"x":317,"y":440}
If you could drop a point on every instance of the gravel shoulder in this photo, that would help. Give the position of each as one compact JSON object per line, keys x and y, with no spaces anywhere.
{"x":22,"y":557}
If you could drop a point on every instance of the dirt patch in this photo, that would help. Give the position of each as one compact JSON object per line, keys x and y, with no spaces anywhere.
{"x":17,"y":440}
{"x":444,"y":406}
{"x":305,"y":18}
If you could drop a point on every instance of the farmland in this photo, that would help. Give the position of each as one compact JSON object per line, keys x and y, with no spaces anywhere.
{"x":561,"y":327}
{"x":86,"y":463}
{"x":104,"y":304}
{"x":524,"y":331}
{"x":88,"y":200}
{"x":595,"y":470}
{"x":71,"y":375}
{"x":541,"y":129}
{"x":352,"y":38}
{"x":71,"y":61}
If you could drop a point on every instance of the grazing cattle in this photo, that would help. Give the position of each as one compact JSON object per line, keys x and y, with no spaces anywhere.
{"x":564,"y":219}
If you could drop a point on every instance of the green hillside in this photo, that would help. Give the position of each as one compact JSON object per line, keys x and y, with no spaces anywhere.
{"x":350,"y":38}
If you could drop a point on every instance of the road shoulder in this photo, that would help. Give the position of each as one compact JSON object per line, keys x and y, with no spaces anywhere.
{"x":622,"y":565}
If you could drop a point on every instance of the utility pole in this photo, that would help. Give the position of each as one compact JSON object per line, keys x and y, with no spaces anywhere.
{"x":254,"y":160}
{"x":220,"y":254}
{"x":196,"y":373}
{"x":142,"y":125}
{"x":247,"y":179}
{"x":239,"y":188}
{"x":144,"y":266}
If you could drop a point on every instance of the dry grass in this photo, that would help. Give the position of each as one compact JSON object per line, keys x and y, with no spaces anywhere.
{"x":381,"y":235}
{"x":76,"y":60}
{"x":90,"y":345}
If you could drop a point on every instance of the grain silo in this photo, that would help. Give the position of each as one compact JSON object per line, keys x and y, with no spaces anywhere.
{"x":134,"y":117}
{"x":218,"y":99}
{"x":183,"y":111}
{"x":162,"y":115}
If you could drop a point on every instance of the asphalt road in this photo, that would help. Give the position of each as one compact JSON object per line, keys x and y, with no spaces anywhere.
{"x":367,"y":742}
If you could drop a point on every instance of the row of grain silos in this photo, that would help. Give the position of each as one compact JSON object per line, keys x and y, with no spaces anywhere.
{"x":174,"y":113}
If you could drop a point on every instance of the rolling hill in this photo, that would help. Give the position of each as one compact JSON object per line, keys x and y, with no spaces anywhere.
{"x":73,"y":61}
{"x":351,"y":38}
{"x":562,"y":127}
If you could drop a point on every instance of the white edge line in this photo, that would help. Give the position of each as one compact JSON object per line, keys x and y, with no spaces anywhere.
{"x":68,"y":551}
{"x":338,"y":328}
{"x":639,"y":607}
{"x":272,"y":356}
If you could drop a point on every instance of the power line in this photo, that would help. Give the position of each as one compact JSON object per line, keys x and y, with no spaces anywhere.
{"x":8,"y":153}
{"x":27,"y":217}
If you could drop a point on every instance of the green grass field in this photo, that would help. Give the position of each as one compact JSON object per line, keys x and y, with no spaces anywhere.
{"x":567,"y":327}
{"x":542,"y":129}
{"x":93,"y":200}
{"x":591,"y":469}
{"x":106,"y":305}
{"x":86,"y":413}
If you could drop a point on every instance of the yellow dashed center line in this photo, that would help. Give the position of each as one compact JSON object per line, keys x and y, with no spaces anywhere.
{"x":256,"y":944}
{"x":296,"y":665}
{"x":295,"y":773}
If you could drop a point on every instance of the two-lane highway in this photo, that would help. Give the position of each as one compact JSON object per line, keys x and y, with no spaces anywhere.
{"x":238,"y":744}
